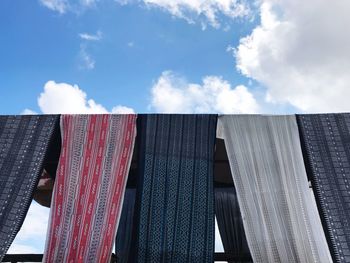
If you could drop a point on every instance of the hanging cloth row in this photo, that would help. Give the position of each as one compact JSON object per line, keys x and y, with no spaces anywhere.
{"x":272,"y":214}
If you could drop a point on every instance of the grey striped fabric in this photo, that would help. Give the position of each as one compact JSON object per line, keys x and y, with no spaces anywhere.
{"x":24,"y":144}
{"x":279,"y":212}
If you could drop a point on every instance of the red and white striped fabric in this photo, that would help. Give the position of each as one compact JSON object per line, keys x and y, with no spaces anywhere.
{"x":90,"y":183}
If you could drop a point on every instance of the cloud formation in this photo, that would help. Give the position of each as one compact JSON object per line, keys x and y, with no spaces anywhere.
{"x":91,"y":37}
{"x":205,"y":12}
{"x":60,"y":6}
{"x":300,"y":53}
{"x":31,"y":237}
{"x":122,"y":110}
{"x":86,"y":61}
{"x":173,"y":94}
{"x":64,"y":6}
{"x":28,"y":112}
{"x":64,"y":98}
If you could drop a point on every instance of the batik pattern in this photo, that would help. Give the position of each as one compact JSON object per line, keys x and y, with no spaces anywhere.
{"x":279,"y":212}
{"x":174,"y":205}
{"x":90,"y":183}
{"x":24,"y":141}
{"x":326,"y":144}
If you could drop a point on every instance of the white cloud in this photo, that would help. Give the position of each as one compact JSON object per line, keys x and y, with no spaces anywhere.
{"x":218,"y":242}
{"x":122,"y":110}
{"x":35,"y":223}
{"x":31,"y":237}
{"x":28,"y":112}
{"x":60,"y":6}
{"x":301,"y":53}
{"x":86,"y":61}
{"x":23,"y":249}
{"x":70,"y":99}
{"x":211,"y":12}
{"x":88,"y":3}
{"x":125,"y":2}
{"x":63,"y":6}
{"x":206,"y":12}
{"x":91,"y":37}
{"x":174,"y":94}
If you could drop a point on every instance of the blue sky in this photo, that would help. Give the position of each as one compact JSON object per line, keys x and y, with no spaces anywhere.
{"x":137,"y":43}
{"x":115,"y":54}
{"x":222,"y":56}
{"x":218,"y":56}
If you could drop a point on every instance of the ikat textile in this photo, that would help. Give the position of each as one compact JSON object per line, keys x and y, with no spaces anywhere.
{"x":24,"y":141}
{"x":279,"y":211}
{"x":174,"y":209}
{"x":90,"y":183}
{"x":326,"y":144}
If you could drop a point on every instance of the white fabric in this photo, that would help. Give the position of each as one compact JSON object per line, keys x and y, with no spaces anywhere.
{"x":280,"y":216}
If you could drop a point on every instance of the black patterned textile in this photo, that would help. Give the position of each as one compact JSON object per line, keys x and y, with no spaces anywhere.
{"x":24,"y":141}
{"x":174,"y":209}
{"x":326,"y":146}
{"x":228,"y":216}
{"x":125,"y":227}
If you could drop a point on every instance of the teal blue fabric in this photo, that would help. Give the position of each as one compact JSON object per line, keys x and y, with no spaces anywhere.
{"x":175,"y":199}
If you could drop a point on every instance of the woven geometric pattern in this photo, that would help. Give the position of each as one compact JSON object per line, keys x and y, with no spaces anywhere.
{"x":174,"y":207}
{"x":279,"y":212}
{"x":326,"y":144}
{"x":90,"y":183}
{"x":24,"y":141}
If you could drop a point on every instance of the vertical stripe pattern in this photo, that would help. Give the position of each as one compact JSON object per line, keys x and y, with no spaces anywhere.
{"x":124,"y":234}
{"x":90,"y":183}
{"x":24,"y":141}
{"x":229,"y":218}
{"x":279,"y":212}
{"x":326,"y":144}
{"x":175,"y":218}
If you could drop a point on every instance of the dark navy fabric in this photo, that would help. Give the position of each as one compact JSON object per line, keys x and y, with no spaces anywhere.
{"x":326,"y":146}
{"x":24,"y":141}
{"x":125,"y":227}
{"x":174,"y":209}
{"x":230,"y":224}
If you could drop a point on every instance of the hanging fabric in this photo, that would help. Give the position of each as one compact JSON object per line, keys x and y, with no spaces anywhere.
{"x":90,"y":183}
{"x":279,"y":212}
{"x":230,"y":223}
{"x":24,"y":141}
{"x":326,"y":144}
{"x":124,"y":233}
{"x":174,"y":203}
